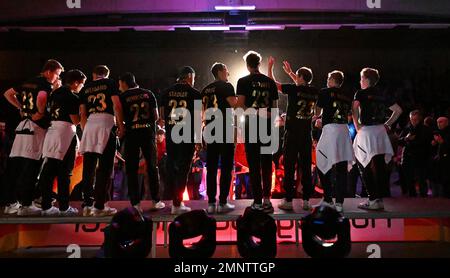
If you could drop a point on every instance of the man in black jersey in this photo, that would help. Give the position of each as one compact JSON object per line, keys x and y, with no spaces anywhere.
{"x":140,"y":113}
{"x":30,"y":98}
{"x":180,"y":112}
{"x":302,"y":98}
{"x":334,"y":149}
{"x":100,"y":103}
{"x":372,"y":147}
{"x":257,"y":93}
{"x":60,"y":145}
{"x":219,"y":97}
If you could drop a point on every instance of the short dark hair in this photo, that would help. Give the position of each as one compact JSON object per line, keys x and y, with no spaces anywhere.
{"x":184,"y":72}
{"x":216,"y":67}
{"x":306,"y":73}
{"x":73,"y":76}
{"x":52,"y":65}
{"x":337,"y":76}
{"x":372,"y":75}
{"x":129,"y":79}
{"x":253,"y":59}
{"x":101,"y":70}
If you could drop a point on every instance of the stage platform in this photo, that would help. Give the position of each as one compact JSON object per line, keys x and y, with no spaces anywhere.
{"x":395,"y":208}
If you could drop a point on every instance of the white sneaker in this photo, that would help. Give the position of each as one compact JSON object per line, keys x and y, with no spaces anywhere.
{"x":29,"y":211}
{"x":285,"y":205}
{"x":52,"y":211}
{"x":376,"y":204}
{"x":157,"y":205}
{"x":224,"y":208}
{"x":180,"y":209}
{"x":12,"y":208}
{"x":306,"y":205}
{"x":256,"y":206}
{"x":211,"y":208}
{"x":69,"y":212}
{"x":325,"y":203}
{"x":106,"y":211}
{"x":37,"y":202}
{"x":339,"y":207}
{"x":87,"y":210}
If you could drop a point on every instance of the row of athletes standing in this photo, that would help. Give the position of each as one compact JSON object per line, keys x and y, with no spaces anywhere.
{"x":104,"y":113}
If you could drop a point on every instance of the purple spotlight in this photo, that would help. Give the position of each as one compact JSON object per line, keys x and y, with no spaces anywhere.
{"x":235,"y":8}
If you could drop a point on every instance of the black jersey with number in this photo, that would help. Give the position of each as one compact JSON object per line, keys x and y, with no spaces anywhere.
{"x":214,"y":96}
{"x":301,"y":102}
{"x":27,"y":94}
{"x":335,"y":106}
{"x":63,"y":103}
{"x":138,"y":108}
{"x":374,"y":106}
{"x":259,"y":90}
{"x":180,"y":95}
{"x":96,"y":95}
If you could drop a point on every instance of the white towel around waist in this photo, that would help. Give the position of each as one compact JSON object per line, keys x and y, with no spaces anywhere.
{"x":28,"y":145}
{"x":96,"y":133}
{"x":371,"y":141}
{"x":58,"y":139}
{"x":334,"y":146}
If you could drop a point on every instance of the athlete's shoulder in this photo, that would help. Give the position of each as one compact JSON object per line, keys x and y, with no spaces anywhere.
{"x":210,"y":85}
{"x":360,"y":94}
{"x":325,"y":91}
{"x":63,"y":90}
{"x":245,"y":79}
{"x":194,"y":92}
{"x":312,"y":89}
{"x":89,"y":84}
{"x":42,"y":83}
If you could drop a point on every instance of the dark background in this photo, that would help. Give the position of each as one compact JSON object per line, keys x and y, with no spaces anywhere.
{"x":414,"y":63}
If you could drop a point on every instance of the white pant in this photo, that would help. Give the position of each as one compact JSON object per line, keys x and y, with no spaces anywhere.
{"x":96,"y":133}
{"x":28,"y":145}
{"x":334,"y":146}
{"x":371,"y":141}
{"x":58,"y":139}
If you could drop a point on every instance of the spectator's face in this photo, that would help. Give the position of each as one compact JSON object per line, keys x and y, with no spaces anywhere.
{"x":159,"y":138}
{"x":442,"y":123}
{"x":415,"y":120}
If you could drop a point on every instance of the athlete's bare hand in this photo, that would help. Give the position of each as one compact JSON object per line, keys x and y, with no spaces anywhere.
{"x":37,"y":116}
{"x":121,"y":132}
{"x":271,"y":62}
{"x":410,"y":137}
{"x":319,"y":123}
{"x":287,"y":67}
{"x":57,"y":84}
